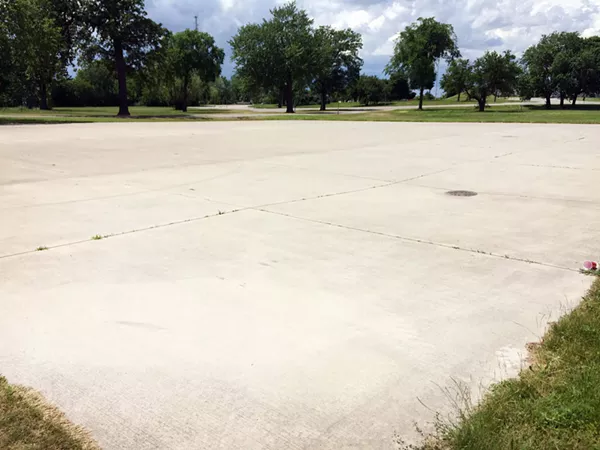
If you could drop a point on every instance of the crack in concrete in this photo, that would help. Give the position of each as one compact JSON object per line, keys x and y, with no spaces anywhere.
{"x":420,"y":241}
{"x":122,"y":233}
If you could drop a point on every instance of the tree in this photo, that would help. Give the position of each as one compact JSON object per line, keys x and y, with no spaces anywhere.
{"x":585,"y":70}
{"x":490,"y":74}
{"x":336,"y":60}
{"x":567,"y":48}
{"x":192,"y":52}
{"x":538,"y":61}
{"x":223,"y":92}
{"x":454,"y":80}
{"x":278,"y":53}
{"x":399,"y":87}
{"x":417,"y":50}
{"x":36,"y":42}
{"x":120,"y":31}
{"x":370,"y":89}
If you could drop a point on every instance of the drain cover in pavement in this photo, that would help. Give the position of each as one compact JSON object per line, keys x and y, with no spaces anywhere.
{"x":462,"y":193}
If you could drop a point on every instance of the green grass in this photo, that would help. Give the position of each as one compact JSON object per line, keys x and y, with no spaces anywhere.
{"x":586,"y":113}
{"x":554,"y":404}
{"x":507,"y":114}
{"x":27,"y":422}
{"x":111,"y":112}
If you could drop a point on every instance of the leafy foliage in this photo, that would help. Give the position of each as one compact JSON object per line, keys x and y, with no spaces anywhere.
{"x":279,"y":52}
{"x":119,"y":30}
{"x":192,"y":52}
{"x":371,"y":89}
{"x":492,"y":74}
{"x":337,"y":63}
{"x":417,"y":50}
{"x":455,"y":79}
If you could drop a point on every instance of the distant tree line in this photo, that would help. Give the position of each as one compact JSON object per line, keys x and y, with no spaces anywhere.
{"x":109,"y":53}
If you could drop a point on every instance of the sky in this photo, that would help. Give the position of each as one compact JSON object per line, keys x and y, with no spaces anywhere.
{"x":479,"y":24}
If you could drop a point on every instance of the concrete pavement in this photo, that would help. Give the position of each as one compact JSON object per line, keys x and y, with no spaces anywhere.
{"x":273,"y":285}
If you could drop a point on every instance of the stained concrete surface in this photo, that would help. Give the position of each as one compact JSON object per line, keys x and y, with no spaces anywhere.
{"x":302,"y":285}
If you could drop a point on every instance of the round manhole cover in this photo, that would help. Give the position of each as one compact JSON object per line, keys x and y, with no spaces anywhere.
{"x":462,"y":193}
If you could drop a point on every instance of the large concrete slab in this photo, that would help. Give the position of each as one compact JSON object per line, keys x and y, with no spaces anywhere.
{"x":283,"y":285}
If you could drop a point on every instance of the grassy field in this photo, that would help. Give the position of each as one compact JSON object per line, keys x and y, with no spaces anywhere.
{"x":506,"y":114}
{"x":553,"y":404}
{"x":27,"y":422}
{"x":586,"y":114}
{"x":111,"y":112}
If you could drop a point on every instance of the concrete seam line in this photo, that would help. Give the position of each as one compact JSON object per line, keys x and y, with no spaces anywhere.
{"x":122,"y":233}
{"x":422,"y":241}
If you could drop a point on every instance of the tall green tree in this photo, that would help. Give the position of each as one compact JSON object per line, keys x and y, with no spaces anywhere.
{"x":454,"y":80}
{"x":190,"y":53}
{"x":337,"y":62}
{"x":120,"y":30}
{"x":278,"y":53}
{"x":492,"y":74}
{"x":417,"y":50}
{"x":538,"y":61}
{"x":36,"y":42}
{"x":585,"y":68}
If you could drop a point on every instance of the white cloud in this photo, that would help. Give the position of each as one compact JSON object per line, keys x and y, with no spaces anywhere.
{"x":479,"y":24}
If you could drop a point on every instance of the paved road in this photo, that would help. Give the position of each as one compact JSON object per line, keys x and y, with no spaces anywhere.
{"x":283,"y":284}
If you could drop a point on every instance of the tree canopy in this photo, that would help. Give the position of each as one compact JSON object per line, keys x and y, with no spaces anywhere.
{"x":192,"y":52}
{"x":278,"y":53}
{"x":455,"y":79}
{"x":108,"y":52}
{"x":417,"y":50}
{"x":120,"y":30}
{"x":492,"y":74}
{"x":337,"y":62}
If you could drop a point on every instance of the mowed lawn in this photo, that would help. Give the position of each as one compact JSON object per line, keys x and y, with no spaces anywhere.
{"x":506,"y":114}
{"x":111,"y":111}
{"x":584,"y":114}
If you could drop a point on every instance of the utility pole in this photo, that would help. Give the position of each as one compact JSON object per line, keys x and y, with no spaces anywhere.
{"x":196,"y":22}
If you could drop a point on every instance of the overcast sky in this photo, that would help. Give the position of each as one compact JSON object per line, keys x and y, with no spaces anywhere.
{"x":479,"y":24}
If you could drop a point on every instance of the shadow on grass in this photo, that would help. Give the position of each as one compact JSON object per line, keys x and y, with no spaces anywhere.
{"x":577,"y":107}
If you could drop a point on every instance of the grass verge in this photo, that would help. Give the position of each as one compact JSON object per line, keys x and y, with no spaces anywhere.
{"x":583,"y":114}
{"x":27,"y":422}
{"x":553,"y":404}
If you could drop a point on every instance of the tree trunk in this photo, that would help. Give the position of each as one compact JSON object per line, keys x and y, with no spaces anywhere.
{"x":323,"y":101}
{"x":458,"y":99}
{"x":421,"y":99}
{"x":185,"y":94}
{"x":43,"y":96}
{"x":574,"y":101}
{"x":481,"y":102}
{"x":495,"y":96}
{"x":289,"y":96}
{"x":548,"y":104}
{"x":120,"y":63}
{"x":562,"y":99}
{"x":280,"y":98}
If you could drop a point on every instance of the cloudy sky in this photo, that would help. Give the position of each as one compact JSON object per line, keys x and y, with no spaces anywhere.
{"x":479,"y":24}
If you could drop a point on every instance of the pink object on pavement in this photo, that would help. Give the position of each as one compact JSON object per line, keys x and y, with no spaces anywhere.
{"x":590,"y":265}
